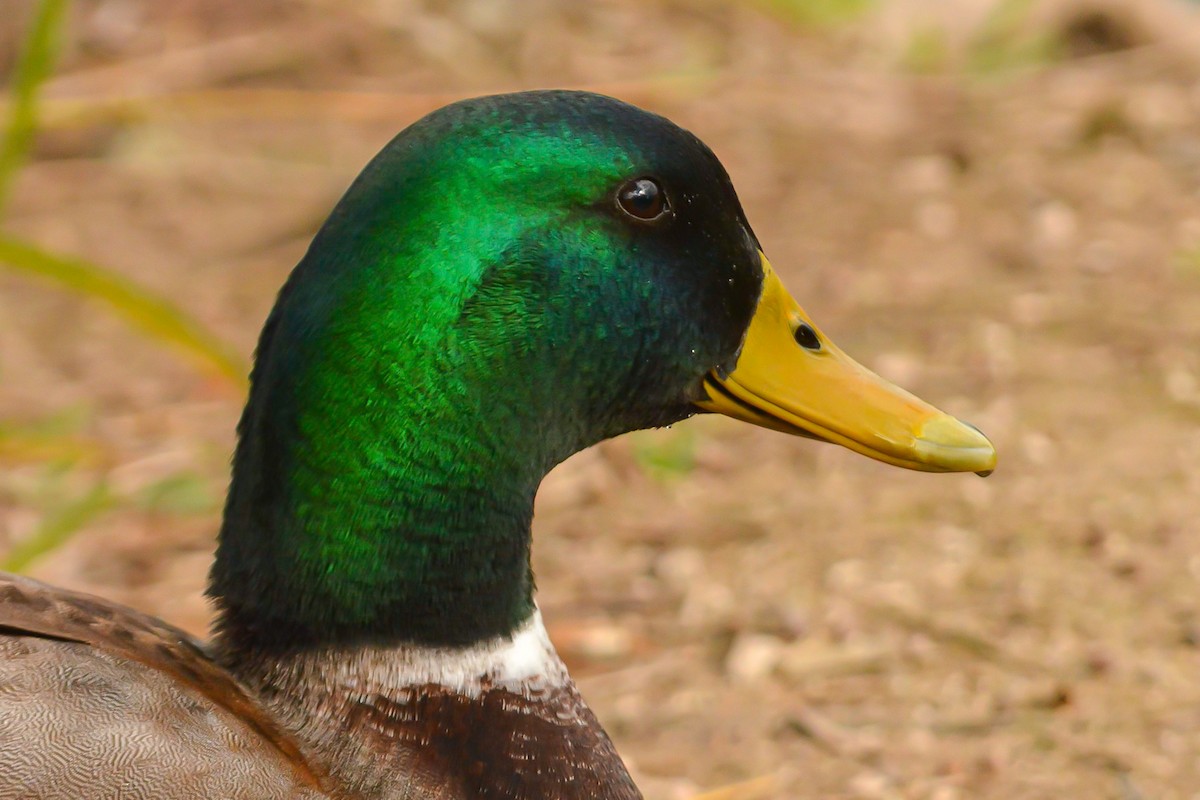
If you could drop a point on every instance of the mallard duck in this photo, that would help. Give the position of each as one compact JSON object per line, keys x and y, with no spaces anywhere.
{"x":511,"y":280}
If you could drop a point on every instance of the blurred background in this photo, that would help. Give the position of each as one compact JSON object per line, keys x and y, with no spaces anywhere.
{"x":995,"y":203}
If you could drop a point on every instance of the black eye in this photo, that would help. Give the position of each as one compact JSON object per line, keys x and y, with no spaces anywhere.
{"x":643,"y":198}
{"x":806,"y":337}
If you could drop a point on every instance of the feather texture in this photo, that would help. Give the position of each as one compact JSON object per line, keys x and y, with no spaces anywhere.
{"x":99,"y":701}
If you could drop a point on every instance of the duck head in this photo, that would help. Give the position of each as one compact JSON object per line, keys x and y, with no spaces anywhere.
{"x":511,"y":280}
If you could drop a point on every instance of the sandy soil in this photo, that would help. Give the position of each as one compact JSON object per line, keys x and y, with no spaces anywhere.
{"x":1013,"y":235}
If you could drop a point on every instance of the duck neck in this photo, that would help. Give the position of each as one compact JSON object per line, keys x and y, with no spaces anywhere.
{"x":325,"y":549}
{"x":382,"y":504}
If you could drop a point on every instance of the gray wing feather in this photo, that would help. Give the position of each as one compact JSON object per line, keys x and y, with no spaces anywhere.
{"x":81,"y":720}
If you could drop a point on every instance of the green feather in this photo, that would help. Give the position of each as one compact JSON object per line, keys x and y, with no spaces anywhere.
{"x":476,"y":309}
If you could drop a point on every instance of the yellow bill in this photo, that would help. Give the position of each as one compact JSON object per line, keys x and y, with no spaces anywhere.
{"x":791,"y":378}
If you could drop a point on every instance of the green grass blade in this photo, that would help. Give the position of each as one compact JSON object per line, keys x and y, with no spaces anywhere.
{"x":665,"y":454}
{"x":35,"y":65}
{"x":182,"y":493}
{"x":57,"y":528}
{"x":1005,"y":42}
{"x":23,"y":446}
{"x":145,"y":311}
{"x":816,"y":13}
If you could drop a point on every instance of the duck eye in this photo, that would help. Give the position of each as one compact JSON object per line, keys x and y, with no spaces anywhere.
{"x":643,"y":198}
{"x":806,"y":337}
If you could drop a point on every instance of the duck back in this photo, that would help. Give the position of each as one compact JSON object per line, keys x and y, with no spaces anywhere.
{"x":99,"y":701}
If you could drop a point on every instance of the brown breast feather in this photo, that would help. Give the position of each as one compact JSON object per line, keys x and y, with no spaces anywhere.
{"x":538,"y":741}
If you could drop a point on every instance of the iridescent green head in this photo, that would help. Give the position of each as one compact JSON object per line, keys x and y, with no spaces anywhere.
{"x":510,"y":280}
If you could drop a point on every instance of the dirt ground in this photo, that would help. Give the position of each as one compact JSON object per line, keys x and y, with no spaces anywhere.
{"x":1007,"y":227}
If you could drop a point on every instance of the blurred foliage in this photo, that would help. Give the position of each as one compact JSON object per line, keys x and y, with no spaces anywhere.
{"x":815,"y":13}
{"x":1006,"y":42}
{"x":1187,"y":262}
{"x":665,"y":454}
{"x":928,"y":52}
{"x":33,"y":68}
{"x":56,"y":440}
{"x":1109,"y":120}
{"x":182,"y":493}
{"x":61,"y":520}
{"x":156,"y":317}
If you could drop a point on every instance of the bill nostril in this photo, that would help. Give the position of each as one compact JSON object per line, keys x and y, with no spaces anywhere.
{"x":806,"y":337}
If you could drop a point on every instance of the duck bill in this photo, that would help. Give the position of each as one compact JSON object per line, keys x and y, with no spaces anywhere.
{"x":820,"y":392}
